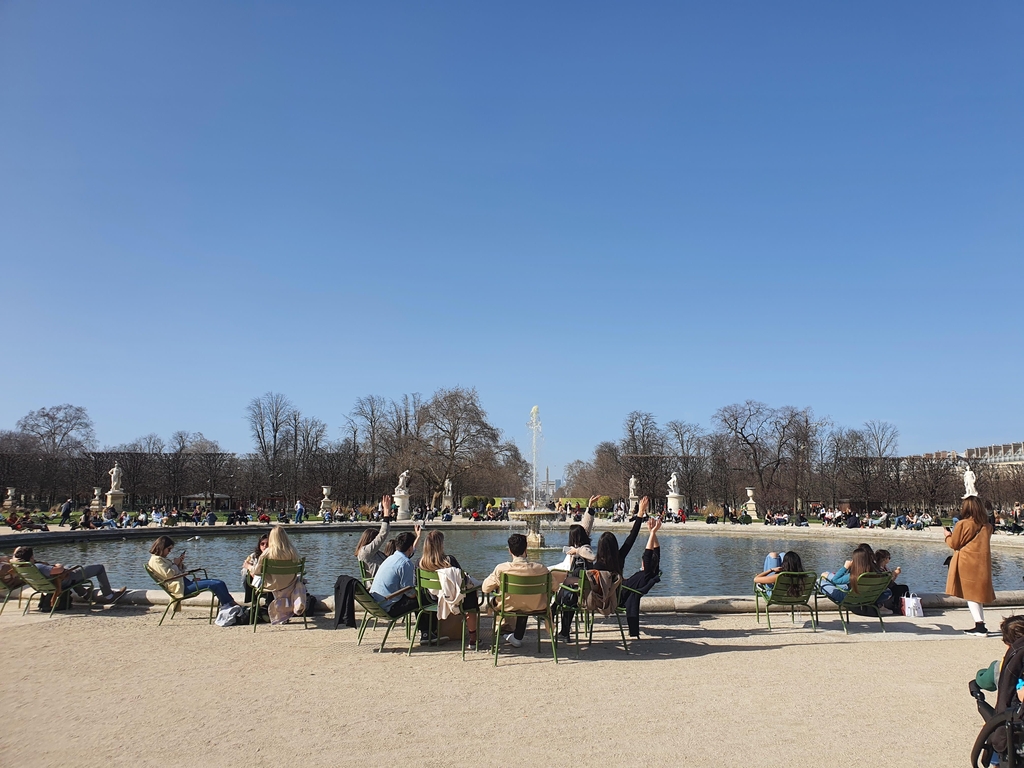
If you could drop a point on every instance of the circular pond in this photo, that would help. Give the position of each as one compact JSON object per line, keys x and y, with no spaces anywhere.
{"x":691,"y":564}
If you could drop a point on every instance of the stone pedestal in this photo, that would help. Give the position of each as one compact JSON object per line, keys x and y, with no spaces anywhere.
{"x":115,"y":499}
{"x":96,"y":505}
{"x":448,"y":501}
{"x":402,"y":500}
{"x":9,"y":501}
{"x":634,"y":502}
{"x":675,"y":503}
{"x":750,"y":506}
{"x":326,"y":505}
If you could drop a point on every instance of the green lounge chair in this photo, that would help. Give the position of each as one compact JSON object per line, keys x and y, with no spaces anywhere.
{"x":870,"y":587}
{"x":51,"y":586}
{"x":512,"y":584}
{"x":781,"y":593}
{"x":372,"y":610}
{"x":174,"y":601}
{"x":277,"y":568}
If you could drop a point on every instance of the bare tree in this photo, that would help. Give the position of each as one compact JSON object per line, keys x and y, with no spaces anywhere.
{"x":690,"y":442}
{"x":644,"y":452}
{"x":765,"y":437}
{"x":456,"y":435}
{"x":60,"y":430}
{"x":368,"y":414}
{"x":268,"y":418}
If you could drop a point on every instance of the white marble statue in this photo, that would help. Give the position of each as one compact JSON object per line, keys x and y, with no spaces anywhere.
{"x":673,"y":485}
{"x":969,"y":479}
{"x":632,"y":486}
{"x":402,"y":489}
{"x":115,"y":477}
{"x":447,"y":486}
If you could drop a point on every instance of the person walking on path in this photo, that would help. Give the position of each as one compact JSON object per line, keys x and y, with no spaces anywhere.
{"x":970,"y":568}
{"x":65,"y":513}
{"x":300,"y":511}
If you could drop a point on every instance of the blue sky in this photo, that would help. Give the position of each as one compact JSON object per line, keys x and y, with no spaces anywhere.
{"x":590,"y":207}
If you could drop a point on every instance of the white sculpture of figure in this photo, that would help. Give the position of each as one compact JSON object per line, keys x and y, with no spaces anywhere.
{"x":673,"y":484}
{"x":632,"y":486}
{"x":969,"y":478}
{"x":115,"y":477}
{"x":402,"y":489}
{"x":447,"y":486}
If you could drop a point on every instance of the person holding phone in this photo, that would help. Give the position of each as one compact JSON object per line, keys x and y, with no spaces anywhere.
{"x":173,"y":575}
{"x":970,"y":568}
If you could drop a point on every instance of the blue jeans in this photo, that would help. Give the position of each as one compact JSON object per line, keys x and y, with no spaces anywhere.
{"x":218,"y":587}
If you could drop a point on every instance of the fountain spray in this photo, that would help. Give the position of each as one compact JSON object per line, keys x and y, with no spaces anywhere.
{"x":534,"y":425}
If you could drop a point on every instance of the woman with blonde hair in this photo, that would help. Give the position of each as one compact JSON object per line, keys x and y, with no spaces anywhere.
{"x":288,"y":590}
{"x":970,"y":568}
{"x":434,"y":559}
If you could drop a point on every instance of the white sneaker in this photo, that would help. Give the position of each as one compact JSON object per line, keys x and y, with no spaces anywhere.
{"x":511,"y":640}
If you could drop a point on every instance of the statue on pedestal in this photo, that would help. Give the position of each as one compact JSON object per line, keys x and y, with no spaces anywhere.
{"x":402,"y":489}
{"x":632,"y":486}
{"x":969,"y":479}
{"x":673,"y":485}
{"x":115,"y":477}
{"x":447,"y":486}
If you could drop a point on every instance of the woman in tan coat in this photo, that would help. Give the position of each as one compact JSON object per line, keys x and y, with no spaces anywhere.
{"x":970,"y":569}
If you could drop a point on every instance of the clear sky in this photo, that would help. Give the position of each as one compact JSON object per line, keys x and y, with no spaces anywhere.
{"x":590,"y":207}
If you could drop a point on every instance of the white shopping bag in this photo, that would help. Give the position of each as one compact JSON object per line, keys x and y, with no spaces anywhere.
{"x":912,"y":605}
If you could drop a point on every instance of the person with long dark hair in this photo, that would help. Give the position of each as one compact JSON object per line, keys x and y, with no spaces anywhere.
{"x":580,"y":555}
{"x":790,"y":562}
{"x":643,"y":580}
{"x":970,"y":569}
{"x":838,"y":584}
{"x":609,"y":557}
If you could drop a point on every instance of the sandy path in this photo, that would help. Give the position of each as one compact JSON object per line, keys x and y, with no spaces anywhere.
{"x":699,"y":691}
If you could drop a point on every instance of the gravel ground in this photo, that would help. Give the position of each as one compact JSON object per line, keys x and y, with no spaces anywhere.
{"x":112,"y":688}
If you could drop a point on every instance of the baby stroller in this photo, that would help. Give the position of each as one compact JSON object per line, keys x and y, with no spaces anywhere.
{"x":1002,"y":734}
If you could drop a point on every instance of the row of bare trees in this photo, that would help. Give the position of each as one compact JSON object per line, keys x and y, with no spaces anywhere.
{"x":52,"y":455}
{"x":788,"y":455}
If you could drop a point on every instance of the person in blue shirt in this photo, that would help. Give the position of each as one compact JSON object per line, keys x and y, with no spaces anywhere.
{"x":394,"y":583}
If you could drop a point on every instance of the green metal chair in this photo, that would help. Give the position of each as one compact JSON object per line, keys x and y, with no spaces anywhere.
{"x":427,"y":580}
{"x":172,"y":600}
{"x":870,"y":587}
{"x":277,"y":568}
{"x":581,"y":579}
{"x":8,"y":591}
{"x":522,"y":586}
{"x":44,"y":585}
{"x":589,"y":616}
{"x":372,"y":609}
{"x":791,"y":589}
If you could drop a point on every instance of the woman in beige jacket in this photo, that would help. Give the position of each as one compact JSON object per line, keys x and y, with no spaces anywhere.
{"x":970,"y":569}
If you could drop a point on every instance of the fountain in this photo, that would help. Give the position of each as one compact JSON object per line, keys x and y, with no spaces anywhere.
{"x":533,"y":518}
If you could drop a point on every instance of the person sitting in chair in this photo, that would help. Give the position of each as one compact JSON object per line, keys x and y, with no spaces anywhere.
{"x":519,"y":566}
{"x":171,"y":574}
{"x":395,"y":580}
{"x":643,"y":580}
{"x":789,"y":562}
{"x":75,"y":576}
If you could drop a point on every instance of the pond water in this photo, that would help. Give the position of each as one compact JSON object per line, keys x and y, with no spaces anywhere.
{"x":691,"y":564}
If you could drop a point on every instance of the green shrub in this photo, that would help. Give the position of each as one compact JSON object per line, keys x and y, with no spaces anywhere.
{"x":605,"y":503}
{"x":469,"y":502}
